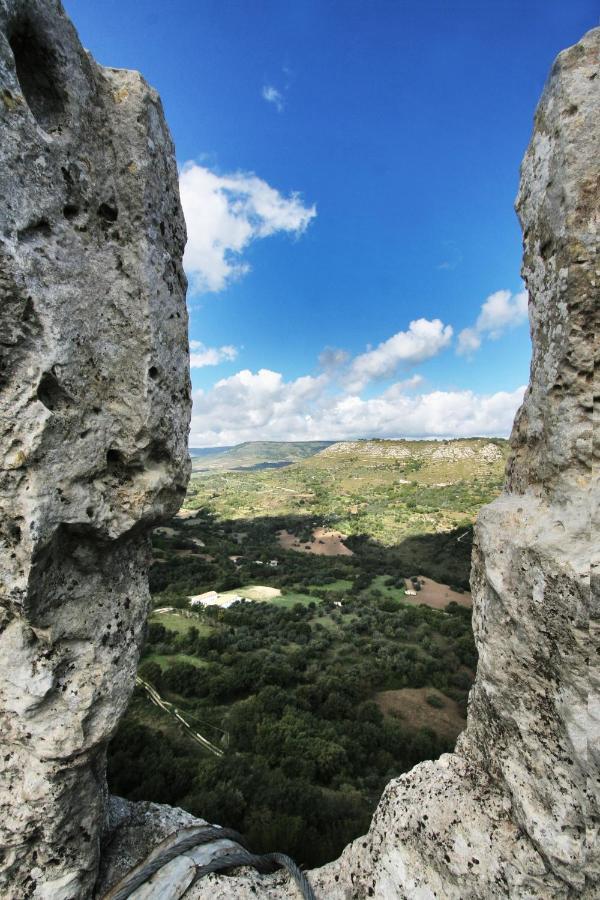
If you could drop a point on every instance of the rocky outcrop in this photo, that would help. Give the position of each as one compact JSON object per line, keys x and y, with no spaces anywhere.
{"x":473,"y":449}
{"x":513,"y":812}
{"x":94,"y":410}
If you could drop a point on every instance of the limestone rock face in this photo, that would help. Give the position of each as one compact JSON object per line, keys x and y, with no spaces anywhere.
{"x":94,"y":413}
{"x":514,"y":811}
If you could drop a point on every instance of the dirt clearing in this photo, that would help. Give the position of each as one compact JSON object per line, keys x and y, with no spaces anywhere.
{"x":411,"y":706}
{"x":324,"y":543}
{"x":166,"y":531}
{"x":436,"y":595}
{"x":254,"y":592}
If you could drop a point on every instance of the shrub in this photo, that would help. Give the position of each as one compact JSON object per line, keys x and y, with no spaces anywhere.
{"x":435,"y":700}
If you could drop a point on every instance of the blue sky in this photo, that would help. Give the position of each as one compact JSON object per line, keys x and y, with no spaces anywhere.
{"x":347,"y":168}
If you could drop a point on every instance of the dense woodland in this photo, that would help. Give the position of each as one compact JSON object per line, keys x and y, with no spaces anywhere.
{"x":289,"y":688}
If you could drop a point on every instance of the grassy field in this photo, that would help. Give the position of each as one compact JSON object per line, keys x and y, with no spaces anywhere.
{"x":340,"y":584}
{"x":288,"y":600}
{"x":380,"y":586}
{"x":172,"y":659}
{"x":180,"y":624}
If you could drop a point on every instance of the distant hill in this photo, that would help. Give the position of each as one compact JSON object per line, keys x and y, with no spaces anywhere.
{"x":254,"y":455}
{"x":422,"y":452}
{"x":383,"y":488}
{"x":207,"y":451}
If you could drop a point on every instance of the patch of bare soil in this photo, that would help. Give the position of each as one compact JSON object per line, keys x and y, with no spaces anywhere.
{"x":437,"y":595}
{"x":411,"y":706}
{"x":166,"y":531}
{"x":187,"y":513}
{"x":255,"y":592}
{"x":194,"y":553}
{"x":324,"y":543}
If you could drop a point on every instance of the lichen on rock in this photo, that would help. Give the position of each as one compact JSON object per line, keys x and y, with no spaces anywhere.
{"x":94,"y":414}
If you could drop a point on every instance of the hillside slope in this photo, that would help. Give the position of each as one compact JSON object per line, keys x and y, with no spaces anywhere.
{"x":387,"y":489}
{"x":254,"y":455}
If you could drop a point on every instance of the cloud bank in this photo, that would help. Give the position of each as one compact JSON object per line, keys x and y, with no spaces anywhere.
{"x":224,"y":214}
{"x":263,"y":405}
{"x":250,"y":406}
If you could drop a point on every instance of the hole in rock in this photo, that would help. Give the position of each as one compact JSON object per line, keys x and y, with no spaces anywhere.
{"x":70,"y":210}
{"x":40,"y":228}
{"x":113,"y":457}
{"x":108,"y":212}
{"x":120,"y":468}
{"x":158,"y":452}
{"x":51,"y":394}
{"x":39,"y":76}
{"x":153,"y":372}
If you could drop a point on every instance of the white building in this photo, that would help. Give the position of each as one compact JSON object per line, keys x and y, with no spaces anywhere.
{"x":211,"y":598}
{"x":204,"y":599}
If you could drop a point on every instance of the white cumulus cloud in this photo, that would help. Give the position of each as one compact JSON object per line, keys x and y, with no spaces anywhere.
{"x":201,"y":356}
{"x":224,"y":214}
{"x":272,"y":95}
{"x":469,"y":341}
{"x":255,"y":404}
{"x":499,"y":313}
{"x":423,"y":340}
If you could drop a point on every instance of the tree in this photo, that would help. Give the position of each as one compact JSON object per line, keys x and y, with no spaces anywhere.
{"x":151,"y":672}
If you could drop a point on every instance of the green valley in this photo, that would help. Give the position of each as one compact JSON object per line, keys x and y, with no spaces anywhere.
{"x":336,"y":650}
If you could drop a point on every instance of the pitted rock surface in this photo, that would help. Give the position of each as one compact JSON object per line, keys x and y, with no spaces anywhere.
{"x":94,"y":413}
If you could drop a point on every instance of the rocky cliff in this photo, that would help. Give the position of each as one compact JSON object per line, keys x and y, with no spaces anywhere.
{"x":94,"y":410}
{"x":513,"y":812}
